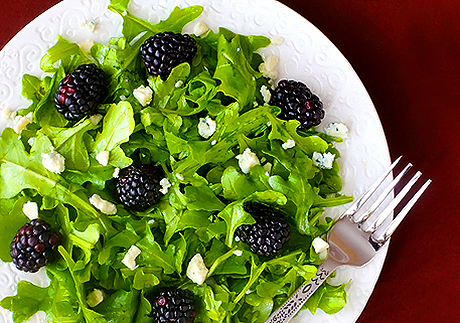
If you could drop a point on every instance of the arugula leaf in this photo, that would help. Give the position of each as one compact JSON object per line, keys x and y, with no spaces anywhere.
{"x":118,"y":125}
{"x":212,"y":306}
{"x":235,"y":72}
{"x":11,"y":220}
{"x":45,"y":112}
{"x":70,"y":54}
{"x":133,"y":26}
{"x":23,"y":171}
{"x":165,"y":97}
{"x":106,"y":58}
{"x":69,"y":143}
{"x":153,"y":255}
{"x":202,"y":198}
{"x":330,"y":299}
{"x":234,"y":216}
{"x":29,"y":300}
{"x":33,"y":88}
{"x":88,"y":314}
{"x":121,"y":306}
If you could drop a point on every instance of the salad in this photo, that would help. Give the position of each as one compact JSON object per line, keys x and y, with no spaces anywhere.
{"x":221,"y":151}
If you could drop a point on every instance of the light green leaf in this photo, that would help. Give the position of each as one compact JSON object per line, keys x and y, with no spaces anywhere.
{"x":118,"y":125}
{"x":69,"y":143}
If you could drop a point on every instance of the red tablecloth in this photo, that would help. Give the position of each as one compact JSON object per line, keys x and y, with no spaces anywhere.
{"x":407,"y":53}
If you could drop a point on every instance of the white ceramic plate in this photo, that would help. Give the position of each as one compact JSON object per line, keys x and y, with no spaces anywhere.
{"x":305,"y":54}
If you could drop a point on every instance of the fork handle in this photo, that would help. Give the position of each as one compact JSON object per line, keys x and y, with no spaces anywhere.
{"x":294,"y":303}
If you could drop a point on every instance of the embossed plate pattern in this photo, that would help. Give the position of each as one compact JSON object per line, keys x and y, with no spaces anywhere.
{"x":305,"y":54}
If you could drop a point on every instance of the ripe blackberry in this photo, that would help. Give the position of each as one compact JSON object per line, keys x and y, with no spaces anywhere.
{"x":297,"y":102}
{"x":164,"y":51}
{"x":138,"y":188}
{"x":33,"y":246}
{"x":267,"y":236}
{"x":173,"y":306}
{"x":79,"y":93}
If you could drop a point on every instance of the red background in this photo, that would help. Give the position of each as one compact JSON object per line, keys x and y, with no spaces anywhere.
{"x":407,"y":53}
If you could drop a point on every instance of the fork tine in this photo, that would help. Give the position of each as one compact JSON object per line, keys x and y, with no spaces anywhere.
{"x":356,"y":205}
{"x":373,"y":224}
{"x":383,"y":195}
{"x":402,"y":214}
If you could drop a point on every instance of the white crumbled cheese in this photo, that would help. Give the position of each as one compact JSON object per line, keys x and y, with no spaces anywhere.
{"x":7,"y":114}
{"x":129,"y":260}
{"x":123,"y":97}
{"x":102,"y":205}
{"x":86,"y":45}
{"x":53,"y":161}
{"x":266,"y":94}
{"x":255,"y":104}
{"x":196,"y":269}
{"x":20,"y":122}
{"x":237,"y":239}
{"x":206,"y":127}
{"x":200,"y":29}
{"x":116,"y":172}
{"x":95,"y":118}
{"x":143,"y":94}
{"x":268,"y":67}
{"x":103,"y":157}
{"x":30,"y":209}
{"x":277,"y":40}
{"x":323,"y":160}
{"x":247,"y":160}
{"x":213,"y":142}
{"x":336,"y":129}
{"x":95,"y":298}
{"x":320,"y":245}
{"x":238,"y":253}
{"x":268,"y":167}
{"x":180,"y":177}
{"x":165,"y":184}
{"x":288,"y":144}
{"x":179,"y":84}
{"x":91,"y":25}
{"x":31,"y":141}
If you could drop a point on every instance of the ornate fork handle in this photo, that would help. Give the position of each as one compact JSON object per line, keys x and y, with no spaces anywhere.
{"x":293,"y":304}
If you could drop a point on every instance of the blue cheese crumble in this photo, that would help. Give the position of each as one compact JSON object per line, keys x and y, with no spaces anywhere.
{"x":335,"y":129}
{"x":53,"y":161}
{"x":288,"y":144}
{"x":206,"y":127}
{"x":247,"y":160}
{"x":325,"y":160}
{"x":143,"y":94}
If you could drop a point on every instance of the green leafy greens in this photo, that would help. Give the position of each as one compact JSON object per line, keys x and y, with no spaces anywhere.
{"x":204,"y":205}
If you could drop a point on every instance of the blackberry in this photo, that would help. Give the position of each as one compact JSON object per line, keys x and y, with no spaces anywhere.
{"x":173,"y":306}
{"x":79,"y":92}
{"x":164,"y":51}
{"x":138,"y":188}
{"x":297,"y":102}
{"x":271,"y":230}
{"x":34,"y":246}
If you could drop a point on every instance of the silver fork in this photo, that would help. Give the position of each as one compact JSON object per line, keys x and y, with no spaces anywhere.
{"x":356,"y":236}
